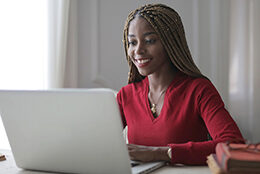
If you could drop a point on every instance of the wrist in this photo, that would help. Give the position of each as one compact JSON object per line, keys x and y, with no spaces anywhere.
{"x":162,"y":154}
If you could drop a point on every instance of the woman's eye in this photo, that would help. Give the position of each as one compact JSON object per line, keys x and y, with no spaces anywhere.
{"x":131,"y":42}
{"x":150,"y":41}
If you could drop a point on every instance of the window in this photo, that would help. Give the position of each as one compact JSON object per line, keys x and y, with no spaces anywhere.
{"x":23,"y":48}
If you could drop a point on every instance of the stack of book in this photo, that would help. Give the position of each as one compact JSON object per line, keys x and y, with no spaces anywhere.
{"x":235,"y":159}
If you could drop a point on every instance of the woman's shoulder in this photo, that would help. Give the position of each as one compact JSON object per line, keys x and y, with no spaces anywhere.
{"x":135,"y":87}
{"x":201,"y":82}
{"x":202,"y":85}
{"x":197,"y":83}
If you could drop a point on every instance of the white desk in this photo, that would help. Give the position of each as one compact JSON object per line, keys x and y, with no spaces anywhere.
{"x":9,"y":167}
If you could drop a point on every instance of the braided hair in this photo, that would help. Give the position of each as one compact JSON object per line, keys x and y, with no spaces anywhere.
{"x":168,"y":25}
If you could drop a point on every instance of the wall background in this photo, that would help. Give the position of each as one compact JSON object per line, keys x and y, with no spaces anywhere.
{"x":222,"y":36}
{"x":100,"y":30}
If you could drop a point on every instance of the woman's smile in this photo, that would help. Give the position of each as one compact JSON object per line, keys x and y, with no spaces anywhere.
{"x":142,"y":62}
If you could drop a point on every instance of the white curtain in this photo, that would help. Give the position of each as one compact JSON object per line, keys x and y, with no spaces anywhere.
{"x":228,"y":52}
{"x":244,"y":92}
{"x":62,"y":44}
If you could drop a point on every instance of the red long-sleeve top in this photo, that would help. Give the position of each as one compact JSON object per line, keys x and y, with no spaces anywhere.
{"x":192,"y":108}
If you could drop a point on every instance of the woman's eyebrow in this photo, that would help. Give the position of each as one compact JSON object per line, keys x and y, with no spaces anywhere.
{"x":149,"y":33}
{"x":145,"y":34}
{"x":131,"y":35}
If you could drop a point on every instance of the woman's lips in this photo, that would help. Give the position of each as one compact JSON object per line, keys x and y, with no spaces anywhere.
{"x":142,"y":62}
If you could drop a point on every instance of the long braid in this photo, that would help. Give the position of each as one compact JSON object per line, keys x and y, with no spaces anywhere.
{"x":168,"y":25}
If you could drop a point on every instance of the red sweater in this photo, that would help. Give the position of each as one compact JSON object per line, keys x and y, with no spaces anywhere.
{"x":192,"y":108}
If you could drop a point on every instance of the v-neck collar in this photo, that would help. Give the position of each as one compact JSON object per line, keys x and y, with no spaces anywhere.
{"x":176,"y":79}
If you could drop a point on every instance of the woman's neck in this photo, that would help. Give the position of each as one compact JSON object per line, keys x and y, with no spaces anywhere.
{"x":160,"y":82}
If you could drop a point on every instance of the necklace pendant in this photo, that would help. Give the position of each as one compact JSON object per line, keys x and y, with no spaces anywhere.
{"x":153,"y":108}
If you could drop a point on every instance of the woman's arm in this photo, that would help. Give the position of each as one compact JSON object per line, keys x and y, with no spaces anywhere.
{"x":119,"y":101}
{"x":148,"y":153}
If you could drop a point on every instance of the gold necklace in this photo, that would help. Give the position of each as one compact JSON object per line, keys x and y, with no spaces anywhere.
{"x":153,"y":108}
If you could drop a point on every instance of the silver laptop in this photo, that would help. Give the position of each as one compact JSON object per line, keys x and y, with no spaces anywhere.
{"x":70,"y":131}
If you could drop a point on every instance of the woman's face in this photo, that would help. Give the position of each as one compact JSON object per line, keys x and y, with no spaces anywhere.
{"x":145,"y":48}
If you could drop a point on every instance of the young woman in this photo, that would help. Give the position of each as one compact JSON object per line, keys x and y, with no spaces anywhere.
{"x":170,"y":108}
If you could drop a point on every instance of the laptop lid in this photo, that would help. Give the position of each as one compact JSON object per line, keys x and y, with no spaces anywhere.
{"x":72,"y":130}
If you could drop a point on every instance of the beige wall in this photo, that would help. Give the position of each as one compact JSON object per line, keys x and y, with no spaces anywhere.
{"x":101,"y":55}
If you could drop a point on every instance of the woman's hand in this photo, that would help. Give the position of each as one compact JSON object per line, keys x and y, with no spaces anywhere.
{"x":148,"y":153}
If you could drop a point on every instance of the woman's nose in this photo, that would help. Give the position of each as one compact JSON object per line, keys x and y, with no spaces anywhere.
{"x":140,"y":49}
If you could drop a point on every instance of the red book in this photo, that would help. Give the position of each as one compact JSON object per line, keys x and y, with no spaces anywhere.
{"x":239,"y":157}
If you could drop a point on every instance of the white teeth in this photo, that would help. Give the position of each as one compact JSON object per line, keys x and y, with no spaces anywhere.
{"x":143,"y":61}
